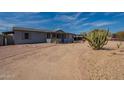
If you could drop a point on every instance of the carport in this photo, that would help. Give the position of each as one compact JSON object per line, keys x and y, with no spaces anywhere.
{"x":8,"y":38}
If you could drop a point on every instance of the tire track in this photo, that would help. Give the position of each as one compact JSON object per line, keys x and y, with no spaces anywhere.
{"x":31,"y":51}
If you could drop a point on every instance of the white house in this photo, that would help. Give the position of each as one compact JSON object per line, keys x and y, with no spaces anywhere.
{"x":28,"y":35}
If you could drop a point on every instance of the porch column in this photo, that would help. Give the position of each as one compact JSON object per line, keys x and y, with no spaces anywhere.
{"x":56,"y":35}
{"x":50,"y":35}
{"x":5,"y":41}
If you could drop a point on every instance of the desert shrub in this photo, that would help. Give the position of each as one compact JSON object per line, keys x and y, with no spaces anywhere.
{"x":55,"y":40}
{"x":97,"y":38}
{"x":120,"y":35}
{"x":119,"y":45}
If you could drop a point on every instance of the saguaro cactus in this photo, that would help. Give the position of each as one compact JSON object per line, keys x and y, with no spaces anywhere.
{"x":97,"y":38}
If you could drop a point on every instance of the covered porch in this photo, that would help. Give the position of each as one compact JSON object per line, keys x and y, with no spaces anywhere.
{"x":8,"y":38}
{"x":59,"y":37}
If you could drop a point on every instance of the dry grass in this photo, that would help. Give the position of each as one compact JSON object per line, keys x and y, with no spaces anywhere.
{"x":61,"y":61}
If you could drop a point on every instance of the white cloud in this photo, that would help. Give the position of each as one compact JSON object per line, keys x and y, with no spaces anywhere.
{"x":67,"y":18}
{"x":34,"y":21}
{"x":9,"y":21}
{"x":99,"y":23}
{"x":102,"y":23}
{"x":64,"y":18}
{"x":72,"y":21}
{"x":80,"y":21}
{"x":77,"y":15}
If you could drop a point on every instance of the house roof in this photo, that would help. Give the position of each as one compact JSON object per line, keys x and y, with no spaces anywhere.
{"x":30,"y":29}
{"x":38,"y":30}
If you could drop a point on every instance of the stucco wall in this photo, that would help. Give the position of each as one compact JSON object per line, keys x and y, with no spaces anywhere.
{"x":35,"y":37}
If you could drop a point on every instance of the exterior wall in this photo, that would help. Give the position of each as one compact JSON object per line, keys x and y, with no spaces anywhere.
{"x":38,"y":37}
{"x":1,"y":40}
{"x":34,"y":37}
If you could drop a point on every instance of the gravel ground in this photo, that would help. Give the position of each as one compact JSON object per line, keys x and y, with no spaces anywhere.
{"x":76,"y":61}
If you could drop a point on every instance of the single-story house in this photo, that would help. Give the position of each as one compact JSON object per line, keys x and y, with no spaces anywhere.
{"x":21,"y":35}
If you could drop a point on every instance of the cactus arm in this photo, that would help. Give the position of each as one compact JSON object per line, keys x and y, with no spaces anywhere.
{"x":97,"y":38}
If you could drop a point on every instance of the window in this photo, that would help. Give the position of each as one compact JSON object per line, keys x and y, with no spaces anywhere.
{"x":26,"y":35}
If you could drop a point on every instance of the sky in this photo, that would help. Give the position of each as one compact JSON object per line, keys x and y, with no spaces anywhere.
{"x":73,"y":22}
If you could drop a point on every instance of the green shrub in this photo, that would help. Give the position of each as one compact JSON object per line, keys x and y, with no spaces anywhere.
{"x":97,"y":38}
{"x":120,"y":35}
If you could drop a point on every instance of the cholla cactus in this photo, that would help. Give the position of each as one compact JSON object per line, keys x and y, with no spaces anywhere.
{"x":97,"y":38}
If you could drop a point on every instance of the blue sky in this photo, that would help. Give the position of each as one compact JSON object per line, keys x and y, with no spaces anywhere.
{"x":74,"y":22}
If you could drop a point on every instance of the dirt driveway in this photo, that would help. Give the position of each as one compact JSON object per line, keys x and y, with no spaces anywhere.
{"x":61,"y":61}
